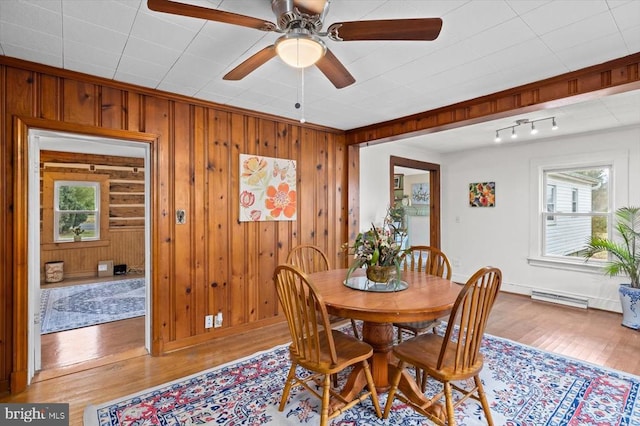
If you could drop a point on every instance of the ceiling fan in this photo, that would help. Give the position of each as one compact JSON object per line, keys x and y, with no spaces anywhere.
{"x":300,"y":22}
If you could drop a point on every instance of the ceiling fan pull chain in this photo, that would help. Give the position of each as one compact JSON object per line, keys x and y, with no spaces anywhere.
{"x":302,"y":119}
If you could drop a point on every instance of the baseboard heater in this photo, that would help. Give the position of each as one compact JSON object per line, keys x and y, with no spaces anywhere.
{"x":560,"y":298}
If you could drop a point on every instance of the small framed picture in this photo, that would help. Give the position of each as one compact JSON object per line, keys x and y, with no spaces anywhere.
{"x":482,"y":194}
{"x":398,"y":181}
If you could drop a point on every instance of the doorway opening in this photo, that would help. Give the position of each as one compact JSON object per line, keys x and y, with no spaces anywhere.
{"x":78,"y":348}
{"x":415,"y":187}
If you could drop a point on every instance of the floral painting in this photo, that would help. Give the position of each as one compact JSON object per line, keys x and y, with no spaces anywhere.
{"x":267,"y":189}
{"x":482,"y":194}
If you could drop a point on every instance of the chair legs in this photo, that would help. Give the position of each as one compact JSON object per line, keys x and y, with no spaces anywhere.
{"x":433,"y":412}
{"x":327,"y":392}
{"x":483,"y":400}
{"x":287,"y":386}
{"x":354,"y":326}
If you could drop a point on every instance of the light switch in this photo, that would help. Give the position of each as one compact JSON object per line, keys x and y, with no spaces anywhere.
{"x":181,"y":217}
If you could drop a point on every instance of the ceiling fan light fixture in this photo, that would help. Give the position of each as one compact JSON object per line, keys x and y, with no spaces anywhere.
{"x":300,"y":50}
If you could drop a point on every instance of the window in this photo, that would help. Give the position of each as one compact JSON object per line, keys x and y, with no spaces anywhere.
{"x":578,"y":206}
{"x":76,"y":210}
{"x":551,"y":201}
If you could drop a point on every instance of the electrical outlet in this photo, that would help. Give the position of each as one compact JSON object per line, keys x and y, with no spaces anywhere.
{"x":208,"y":321}
{"x":218,"y":321}
{"x":456,"y":263}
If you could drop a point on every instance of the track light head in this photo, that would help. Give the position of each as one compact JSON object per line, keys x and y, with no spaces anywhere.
{"x":554,"y":126}
{"x":533,"y":129}
{"x":497,"y":139}
{"x":514,"y":135}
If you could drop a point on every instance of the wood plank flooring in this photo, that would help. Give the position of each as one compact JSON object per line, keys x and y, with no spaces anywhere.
{"x":590,"y":335}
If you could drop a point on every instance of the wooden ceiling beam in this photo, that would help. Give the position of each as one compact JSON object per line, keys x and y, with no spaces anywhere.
{"x":616,"y":76}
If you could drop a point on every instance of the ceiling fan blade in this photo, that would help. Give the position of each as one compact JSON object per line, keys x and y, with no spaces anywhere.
{"x":333,"y":69}
{"x":419,"y":29}
{"x":310,"y":7}
{"x":249,"y":65}
{"x":168,"y":6}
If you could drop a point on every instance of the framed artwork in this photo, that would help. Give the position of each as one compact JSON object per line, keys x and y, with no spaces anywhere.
{"x":482,"y":194}
{"x":420,"y":193}
{"x":267,"y":189}
{"x":398,"y":182}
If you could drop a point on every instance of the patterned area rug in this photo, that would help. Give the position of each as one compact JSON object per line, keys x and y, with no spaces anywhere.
{"x":525,"y":387}
{"x":67,"y":308}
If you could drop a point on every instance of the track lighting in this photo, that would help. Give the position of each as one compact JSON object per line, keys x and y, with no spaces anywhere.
{"x":534,"y":129}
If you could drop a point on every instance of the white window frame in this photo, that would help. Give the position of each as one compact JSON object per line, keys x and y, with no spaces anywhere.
{"x":618,"y":196}
{"x":57,"y":212}
{"x":554,"y":201}
{"x":575,"y":198}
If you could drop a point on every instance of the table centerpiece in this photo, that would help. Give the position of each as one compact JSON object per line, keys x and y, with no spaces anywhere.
{"x":380,"y":251}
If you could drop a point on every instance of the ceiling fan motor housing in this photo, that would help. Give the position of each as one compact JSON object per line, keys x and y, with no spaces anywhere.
{"x":289,"y":16}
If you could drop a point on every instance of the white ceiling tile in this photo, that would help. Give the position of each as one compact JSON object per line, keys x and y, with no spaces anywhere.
{"x":130,"y":65}
{"x":32,"y":15}
{"x":114,"y":16}
{"x":594,"y":51}
{"x":631,"y":38}
{"x":52,"y":58}
{"x":476,"y":16}
{"x":627,"y":15}
{"x":102,"y":38}
{"x":560,"y":13}
{"x":12,"y":34}
{"x":89,"y":68}
{"x":151,"y":52}
{"x":87,"y":53}
{"x":493,"y":40}
{"x":160,"y":31}
{"x":588,"y":29}
{"x":140,"y":80}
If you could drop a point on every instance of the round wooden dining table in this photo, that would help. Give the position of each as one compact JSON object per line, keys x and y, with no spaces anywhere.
{"x":426,"y":297}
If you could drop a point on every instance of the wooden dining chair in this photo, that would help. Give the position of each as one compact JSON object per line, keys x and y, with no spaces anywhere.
{"x":310,"y":259}
{"x":456,"y":355}
{"x":318,"y":348}
{"x":429,"y":260}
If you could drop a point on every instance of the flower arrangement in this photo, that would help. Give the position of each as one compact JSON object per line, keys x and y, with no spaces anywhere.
{"x":380,"y":246}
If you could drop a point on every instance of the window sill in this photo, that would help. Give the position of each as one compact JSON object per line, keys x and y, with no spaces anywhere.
{"x":75,"y":245}
{"x":566,"y":264}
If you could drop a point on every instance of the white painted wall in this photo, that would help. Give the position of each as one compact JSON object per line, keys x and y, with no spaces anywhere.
{"x":500,"y":236}
{"x":374,"y":178}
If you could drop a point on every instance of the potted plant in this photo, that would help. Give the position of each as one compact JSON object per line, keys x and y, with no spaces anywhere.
{"x":379,"y":250}
{"x":624,"y":255}
{"x":77,"y":231}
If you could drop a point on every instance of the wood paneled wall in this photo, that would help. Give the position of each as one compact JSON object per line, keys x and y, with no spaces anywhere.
{"x":212,"y":263}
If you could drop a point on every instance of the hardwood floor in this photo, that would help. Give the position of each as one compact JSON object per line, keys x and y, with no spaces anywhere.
{"x":590,"y":335}
{"x":101,"y":344}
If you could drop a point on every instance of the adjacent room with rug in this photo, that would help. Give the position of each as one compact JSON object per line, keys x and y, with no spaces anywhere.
{"x":83,"y":305}
{"x":524,"y":385}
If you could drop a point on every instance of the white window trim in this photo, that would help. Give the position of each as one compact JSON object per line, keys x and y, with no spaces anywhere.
{"x":619,"y":182}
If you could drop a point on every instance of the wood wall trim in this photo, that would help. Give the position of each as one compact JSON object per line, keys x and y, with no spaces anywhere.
{"x":616,"y":76}
{"x":140,"y":90}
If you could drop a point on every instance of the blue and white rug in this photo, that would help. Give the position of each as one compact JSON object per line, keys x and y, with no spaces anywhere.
{"x":67,"y":308}
{"x":525,"y":387}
